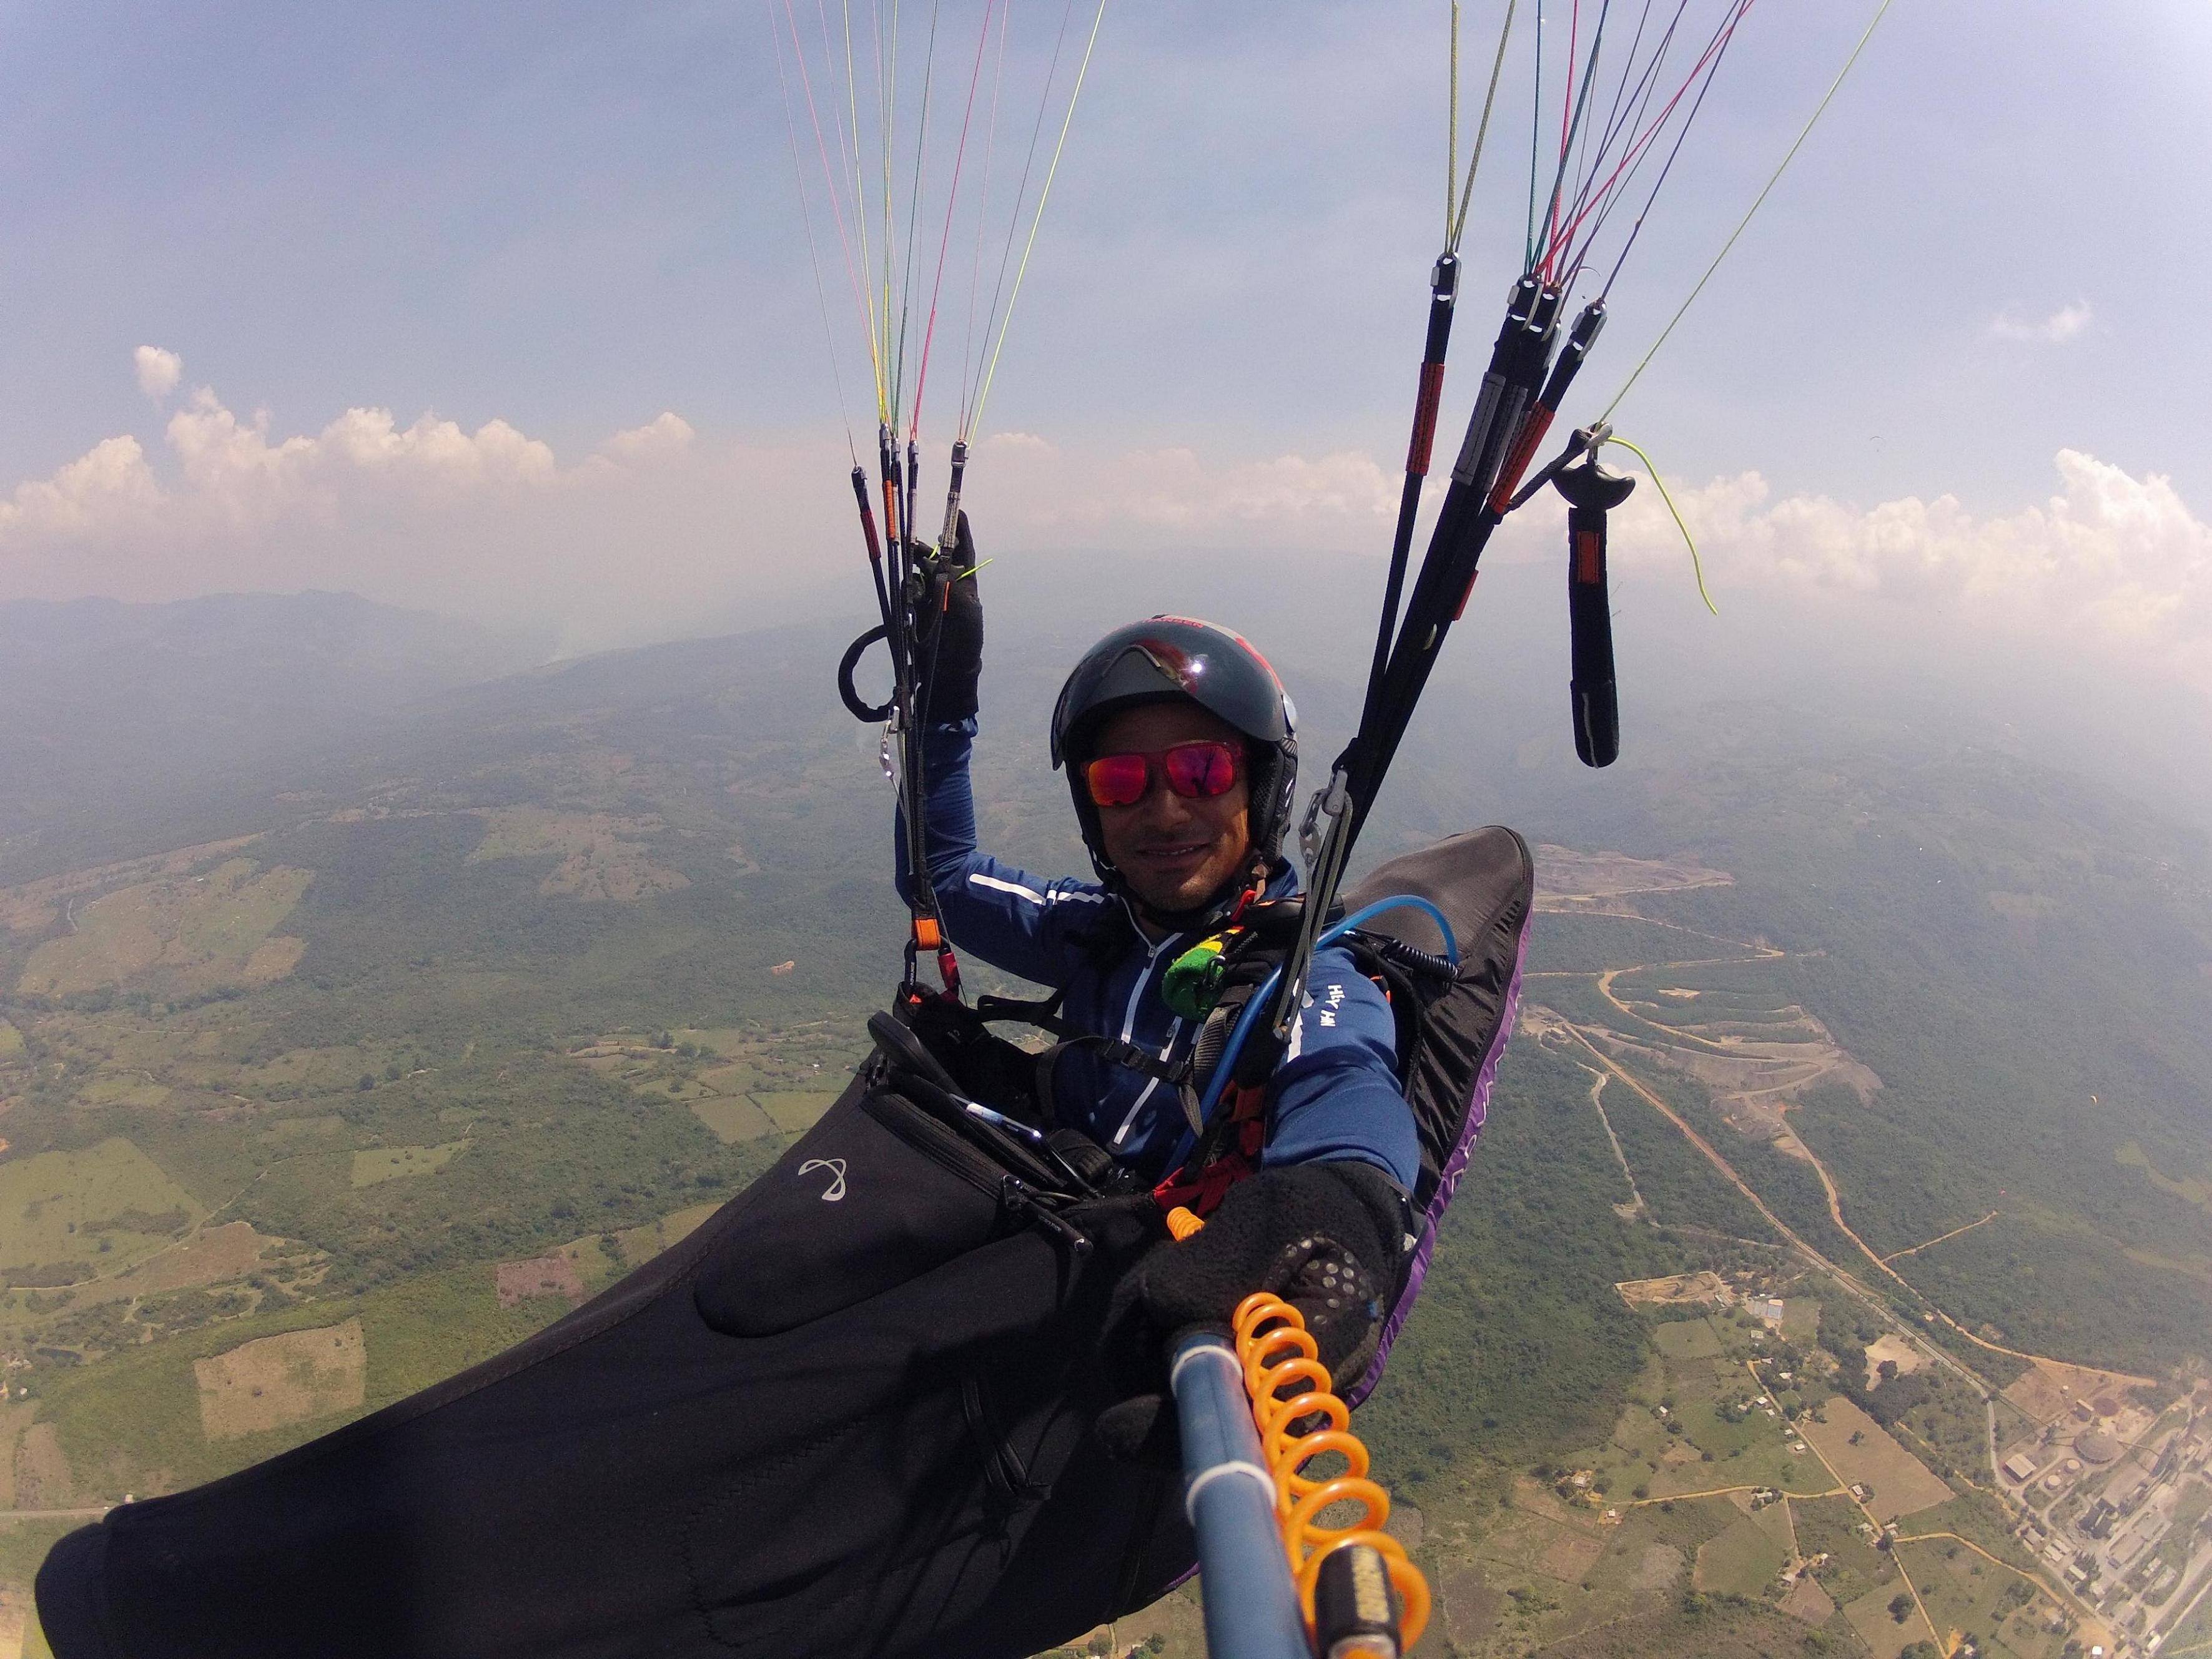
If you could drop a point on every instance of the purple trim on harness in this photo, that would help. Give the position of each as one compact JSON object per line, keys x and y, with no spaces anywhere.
{"x":1454,"y":1167}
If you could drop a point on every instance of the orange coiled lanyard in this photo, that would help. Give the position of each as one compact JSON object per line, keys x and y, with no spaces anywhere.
{"x":1278,"y":1354}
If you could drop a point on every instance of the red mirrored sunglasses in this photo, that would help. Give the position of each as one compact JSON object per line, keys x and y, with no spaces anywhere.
{"x":1196,"y":771}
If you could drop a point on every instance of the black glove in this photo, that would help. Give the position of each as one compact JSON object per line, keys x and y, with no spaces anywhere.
{"x":951,"y":657}
{"x":1326,"y":1237}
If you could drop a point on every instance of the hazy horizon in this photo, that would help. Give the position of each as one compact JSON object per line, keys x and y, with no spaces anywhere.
{"x":297,"y":310}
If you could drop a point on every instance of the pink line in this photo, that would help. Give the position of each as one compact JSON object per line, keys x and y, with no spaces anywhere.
{"x":836,"y":200}
{"x":959,"y":155}
{"x":1650,"y":135}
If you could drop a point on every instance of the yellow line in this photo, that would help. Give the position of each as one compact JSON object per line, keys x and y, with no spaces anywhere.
{"x":1044,"y":195}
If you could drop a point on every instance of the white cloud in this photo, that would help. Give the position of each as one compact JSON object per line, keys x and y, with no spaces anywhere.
{"x":2111,"y":562}
{"x":425,"y":513}
{"x":1159,"y":496}
{"x":232,"y":470}
{"x":2060,"y":326}
{"x":158,"y":371}
{"x":658,"y":530}
{"x":106,"y":488}
{"x":667,"y":433}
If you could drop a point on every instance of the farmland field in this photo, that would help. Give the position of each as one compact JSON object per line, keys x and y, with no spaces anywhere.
{"x":395,"y":1163}
{"x":1860,"y":1450}
{"x":184,"y":934}
{"x":1744,"y":1560}
{"x":69,"y":1215}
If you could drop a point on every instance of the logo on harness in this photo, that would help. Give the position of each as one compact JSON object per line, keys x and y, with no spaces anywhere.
{"x":836,"y":1168}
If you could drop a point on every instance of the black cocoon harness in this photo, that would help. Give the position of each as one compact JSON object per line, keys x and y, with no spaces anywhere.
{"x":850,"y":1416}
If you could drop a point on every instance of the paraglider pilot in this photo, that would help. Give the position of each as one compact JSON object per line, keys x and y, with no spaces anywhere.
{"x":1179,"y":744}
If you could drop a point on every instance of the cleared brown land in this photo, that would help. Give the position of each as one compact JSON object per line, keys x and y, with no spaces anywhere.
{"x":38,"y":905}
{"x":272,"y":959}
{"x":1470,"y":1605}
{"x":1674,"y":1291}
{"x":1901,"y":1482}
{"x":1896,"y":1350}
{"x":1753,"y":1081}
{"x":43,"y":1478}
{"x":542,"y":1275}
{"x":14,"y":1419}
{"x":16,"y":1612}
{"x":1570,"y":1556}
{"x":2050,"y":1387}
{"x":215,"y":1255}
{"x":600,"y":856}
{"x":276,"y":1380}
{"x":1808,"y":1601}
{"x":184,"y":932}
{"x":1569,"y":880}
{"x":229,"y":1251}
{"x":1657,"y":1569}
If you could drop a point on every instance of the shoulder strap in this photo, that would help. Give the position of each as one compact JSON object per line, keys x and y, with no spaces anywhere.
{"x":1043,"y":1014}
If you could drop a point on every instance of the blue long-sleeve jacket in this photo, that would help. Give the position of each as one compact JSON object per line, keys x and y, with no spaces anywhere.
{"x":1333,"y":1094}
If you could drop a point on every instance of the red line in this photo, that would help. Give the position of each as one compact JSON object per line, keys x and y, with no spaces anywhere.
{"x":975,"y":78}
{"x":1650,"y":135}
{"x":829,"y":175}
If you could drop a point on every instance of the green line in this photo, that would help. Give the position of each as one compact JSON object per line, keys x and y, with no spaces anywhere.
{"x":1697,"y":564}
{"x":914,"y":199}
{"x":1451,"y":138}
{"x":1575,"y":128}
{"x":866,"y":275}
{"x":1881,"y":12}
{"x":1044,"y":196}
{"x":1536,"y":137}
{"x":1456,"y":228}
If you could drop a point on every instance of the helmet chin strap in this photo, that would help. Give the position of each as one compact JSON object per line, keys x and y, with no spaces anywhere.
{"x":1223,"y":908}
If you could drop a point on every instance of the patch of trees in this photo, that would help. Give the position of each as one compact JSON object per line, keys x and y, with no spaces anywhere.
{"x":1519,"y":1344}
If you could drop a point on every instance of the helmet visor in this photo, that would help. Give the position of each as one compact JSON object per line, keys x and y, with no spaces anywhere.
{"x":1172,"y":656}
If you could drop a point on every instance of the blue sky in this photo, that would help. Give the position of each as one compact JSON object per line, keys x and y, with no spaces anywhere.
{"x":570,"y":218}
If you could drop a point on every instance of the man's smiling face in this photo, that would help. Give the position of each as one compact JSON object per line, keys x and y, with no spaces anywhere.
{"x":1175,"y":852}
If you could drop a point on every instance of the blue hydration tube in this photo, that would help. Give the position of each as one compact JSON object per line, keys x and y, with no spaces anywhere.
{"x":1255,"y":1010}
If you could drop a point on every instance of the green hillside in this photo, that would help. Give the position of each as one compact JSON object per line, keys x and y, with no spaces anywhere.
{"x":573,"y":955}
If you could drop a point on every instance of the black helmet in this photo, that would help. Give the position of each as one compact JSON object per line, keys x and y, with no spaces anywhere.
{"x":1178,"y":659}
